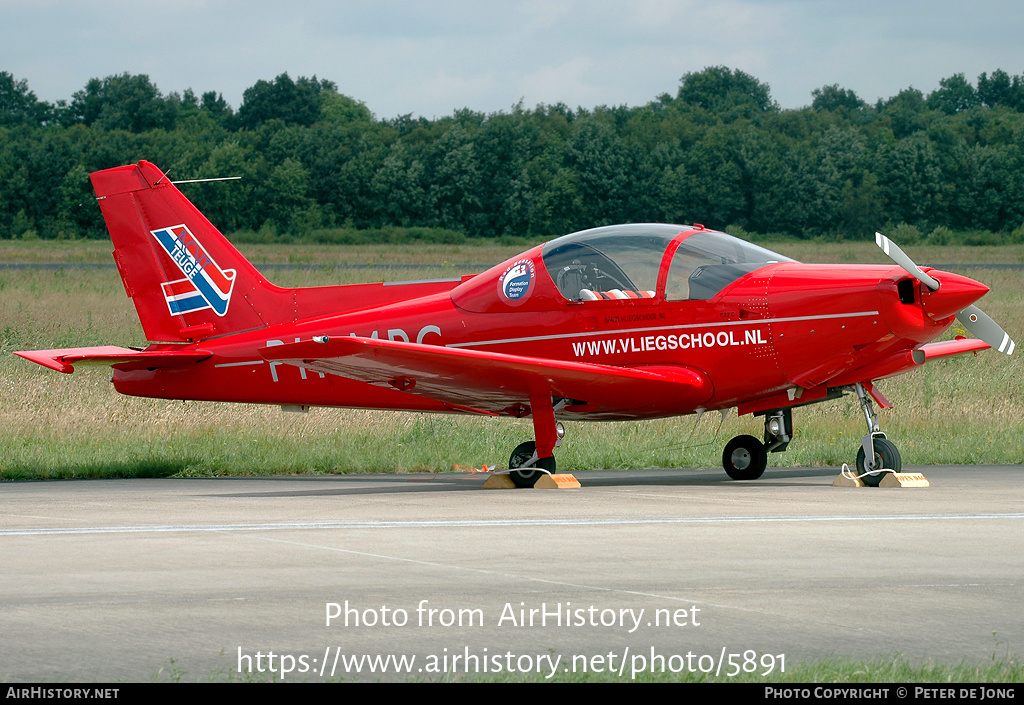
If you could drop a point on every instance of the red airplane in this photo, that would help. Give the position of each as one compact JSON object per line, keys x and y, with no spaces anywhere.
{"x":622,"y":322}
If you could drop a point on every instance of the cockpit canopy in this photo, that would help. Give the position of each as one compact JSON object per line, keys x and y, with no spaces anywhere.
{"x":631,"y":261}
{"x":647,"y":261}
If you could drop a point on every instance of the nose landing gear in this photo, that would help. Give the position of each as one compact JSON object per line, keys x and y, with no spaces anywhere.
{"x":877,"y":453}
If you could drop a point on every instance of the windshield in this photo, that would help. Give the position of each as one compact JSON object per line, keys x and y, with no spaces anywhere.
{"x":706,"y":262}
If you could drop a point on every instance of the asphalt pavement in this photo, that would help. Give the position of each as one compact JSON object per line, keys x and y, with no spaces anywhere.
{"x":302,"y":578}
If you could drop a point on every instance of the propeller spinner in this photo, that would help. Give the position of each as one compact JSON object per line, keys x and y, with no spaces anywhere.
{"x":972,"y":318}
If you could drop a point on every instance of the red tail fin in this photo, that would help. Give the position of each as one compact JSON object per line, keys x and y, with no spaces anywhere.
{"x":189,"y":283}
{"x":186,"y":280}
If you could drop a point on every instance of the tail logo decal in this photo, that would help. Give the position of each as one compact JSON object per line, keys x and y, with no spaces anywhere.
{"x":205,"y":285}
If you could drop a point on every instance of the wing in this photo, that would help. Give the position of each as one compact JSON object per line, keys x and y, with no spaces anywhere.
{"x":495,"y":382}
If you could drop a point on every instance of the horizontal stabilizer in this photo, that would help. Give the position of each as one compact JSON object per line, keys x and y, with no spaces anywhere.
{"x":65,"y":359}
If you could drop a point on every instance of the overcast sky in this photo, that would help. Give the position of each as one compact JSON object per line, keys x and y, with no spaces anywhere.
{"x":430,"y":58}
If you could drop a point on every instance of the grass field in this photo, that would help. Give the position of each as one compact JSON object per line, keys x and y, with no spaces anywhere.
{"x":1001,"y":669}
{"x":967,"y":409}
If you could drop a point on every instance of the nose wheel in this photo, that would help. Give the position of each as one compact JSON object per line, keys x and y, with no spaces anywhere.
{"x":887,"y":457}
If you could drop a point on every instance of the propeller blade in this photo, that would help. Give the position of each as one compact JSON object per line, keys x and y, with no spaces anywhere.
{"x":981,"y":326}
{"x":898,"y":256}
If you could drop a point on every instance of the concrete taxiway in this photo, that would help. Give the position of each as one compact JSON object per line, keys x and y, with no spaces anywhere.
{"x":199,"y":578}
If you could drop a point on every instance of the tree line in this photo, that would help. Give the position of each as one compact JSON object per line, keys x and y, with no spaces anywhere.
{"x":720,"y":151}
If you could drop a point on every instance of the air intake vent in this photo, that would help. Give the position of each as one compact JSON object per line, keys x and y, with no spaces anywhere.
{"x":906,"y":289}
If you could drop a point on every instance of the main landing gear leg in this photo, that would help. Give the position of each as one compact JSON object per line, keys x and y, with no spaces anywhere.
{"x":877,"y":453}
{"x":534,"y":458}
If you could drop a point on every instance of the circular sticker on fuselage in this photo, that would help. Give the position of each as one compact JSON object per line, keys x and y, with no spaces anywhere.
{"x":516,"y":284}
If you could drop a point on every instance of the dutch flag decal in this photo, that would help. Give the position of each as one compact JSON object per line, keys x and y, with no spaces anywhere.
{"x":205,"y":285}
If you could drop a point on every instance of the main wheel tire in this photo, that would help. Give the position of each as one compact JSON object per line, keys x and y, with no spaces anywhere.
{"x":744,"y":458}
{"x":529,"y":476}
{"x":886,"y":456}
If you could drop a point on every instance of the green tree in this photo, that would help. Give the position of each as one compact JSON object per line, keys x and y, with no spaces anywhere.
{"x":77,"y":213}
{"x":609,"y":177}
{"x":504,"y":146}
{"x":293,"y":102}
{"x":214,"y":104}
{"x":838,"y":168}
{"x":719,"y":152}
{"x":454,"y":192}
{"x":771,"y":183}
{"x":399,"y":189}
{"x":909,"y":176}
{"x":339,"y":109}
{"x":230,"y":205}
{"x":726,"y":92}
{"x":833,"y":98}
{"x":285,"y":193}
{"x":19,"y":105}
{"x":861,"y":210}
{"x":717,"y":192}
{"x":1001,"y":89}
{"x":955,"y":94}
{"x":342,"y":152}
{"x":905,"y":112}
{"x":558,"y":208}
{"x":122,"y":102}
{"x":977,"y":186}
